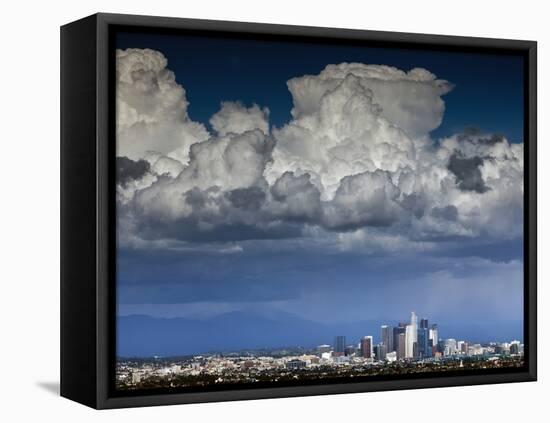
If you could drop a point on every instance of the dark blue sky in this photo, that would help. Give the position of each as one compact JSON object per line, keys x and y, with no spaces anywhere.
{"x":454,"y":285}
{"x":488,"y":91}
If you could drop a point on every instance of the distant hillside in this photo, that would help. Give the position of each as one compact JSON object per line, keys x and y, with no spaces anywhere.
{"x":143,"y":336}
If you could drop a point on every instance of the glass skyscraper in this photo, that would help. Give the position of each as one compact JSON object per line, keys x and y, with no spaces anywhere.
{"x":339,"y":344}
{"x":423,"y":337}
{"x":386,"y":337}
{"x":411,"y":332}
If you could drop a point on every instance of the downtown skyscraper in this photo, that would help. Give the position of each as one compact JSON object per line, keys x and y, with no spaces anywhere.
{"x":415,"y":339}
{"x":386,"y":337}
{"x":434,"y":336}
{"x":411,"y":336}
{"x":339,"y":344}
{"x":366,"y":346}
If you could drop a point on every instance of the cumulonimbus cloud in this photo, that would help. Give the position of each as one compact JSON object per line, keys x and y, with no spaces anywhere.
{"x":152,"y":108}
{"x":234,"y":117}
{"x":355,"y":155}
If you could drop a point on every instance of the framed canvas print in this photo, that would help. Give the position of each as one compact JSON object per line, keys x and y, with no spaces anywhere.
{"x":257,"y":211}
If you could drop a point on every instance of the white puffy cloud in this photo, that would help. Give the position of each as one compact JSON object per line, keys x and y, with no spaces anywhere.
{"x":355,"y":165}
{"x":497,"y":209}
{"x":152,"y":108}
{"x":233,"y":117}
{"x":410,"y":100}
{"x":216,"y":167}
{"x":163,"y":165}
{"x":345,"y":135}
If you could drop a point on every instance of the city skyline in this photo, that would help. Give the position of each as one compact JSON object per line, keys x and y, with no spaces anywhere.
{"x":405,"y":341}
{"x":408,"y":339}
{"x":409,"y":347}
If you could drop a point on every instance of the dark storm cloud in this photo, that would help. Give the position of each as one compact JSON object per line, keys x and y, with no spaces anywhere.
{"x":296,"y":198}
{"x":493,"y":139}
{"x":128,"y":170}
{"x":197,"y":230}
{"x":474,"y":135}
{"x":415,"y":203}
{"x":197,"y":198}
{"x":467,"y":172}
{"x":446,"y":213}
{"x":247,"y":198}
{"x":323,"y":286}
{"x":364,"y":199}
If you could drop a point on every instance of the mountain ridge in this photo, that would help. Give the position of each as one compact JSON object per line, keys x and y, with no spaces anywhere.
{"x":140,"y":335}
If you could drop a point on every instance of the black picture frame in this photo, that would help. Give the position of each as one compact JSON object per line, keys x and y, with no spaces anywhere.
{"x":88,"y":241}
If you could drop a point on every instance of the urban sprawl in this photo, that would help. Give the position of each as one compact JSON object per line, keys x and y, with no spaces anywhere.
{"x":412,"y":347}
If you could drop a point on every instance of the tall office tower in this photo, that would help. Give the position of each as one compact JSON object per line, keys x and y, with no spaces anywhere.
{"x":396,"y":332}
{"x":424,"y":349}
{"x":424,"y":323}
{"x":339,"y":344}
{"x":401,"y":343}
{"x":366,"y":347}
{"x":380,"y":351}
{"x":386,"y":336}
{"x":411,"y":336}
{"x":371,"y":345}
{"x":414,"y":319}
{"x":434,"y":335}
